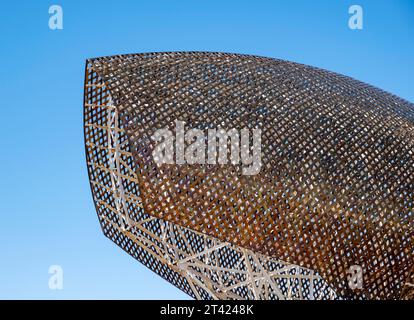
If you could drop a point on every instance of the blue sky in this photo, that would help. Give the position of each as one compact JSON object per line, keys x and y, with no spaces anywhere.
{"x":47,"y":213}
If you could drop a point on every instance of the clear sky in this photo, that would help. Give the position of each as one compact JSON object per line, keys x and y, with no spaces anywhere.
{"x":46,"y":208}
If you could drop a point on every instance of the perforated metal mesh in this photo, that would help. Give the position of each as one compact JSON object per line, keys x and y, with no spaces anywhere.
{"x":335,"y":188}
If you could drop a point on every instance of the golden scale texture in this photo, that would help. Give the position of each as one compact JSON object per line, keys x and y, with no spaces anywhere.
{"x":335,"y":189}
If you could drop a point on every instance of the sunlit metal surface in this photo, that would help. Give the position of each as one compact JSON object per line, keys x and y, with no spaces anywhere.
{"x":335,"y":189}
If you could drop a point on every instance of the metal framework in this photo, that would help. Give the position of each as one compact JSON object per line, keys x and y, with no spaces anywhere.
{"x":127,"y":97}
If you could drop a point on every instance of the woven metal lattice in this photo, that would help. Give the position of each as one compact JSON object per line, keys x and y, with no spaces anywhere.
{"x":335,"y":189}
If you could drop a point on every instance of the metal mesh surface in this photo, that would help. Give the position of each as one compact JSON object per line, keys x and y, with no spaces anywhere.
{"x":335,"y":187}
